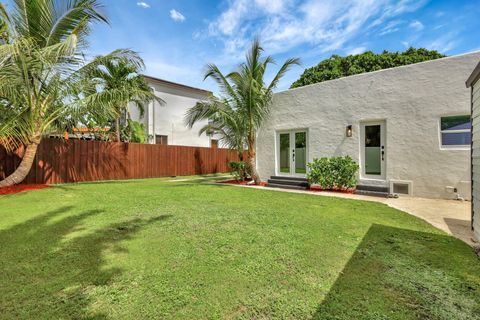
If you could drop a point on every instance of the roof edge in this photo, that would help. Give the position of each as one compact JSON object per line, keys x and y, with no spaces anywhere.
{"x":176,"y":84}
{"x":474,"y":76}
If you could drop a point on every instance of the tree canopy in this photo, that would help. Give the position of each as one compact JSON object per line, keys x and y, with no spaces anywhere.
{"x":337,"y":67}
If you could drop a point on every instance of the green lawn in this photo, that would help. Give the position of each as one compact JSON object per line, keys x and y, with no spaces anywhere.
{"x":154,"y":249}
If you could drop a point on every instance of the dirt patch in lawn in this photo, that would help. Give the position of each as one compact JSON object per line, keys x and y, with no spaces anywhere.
{"x":21,"y":188}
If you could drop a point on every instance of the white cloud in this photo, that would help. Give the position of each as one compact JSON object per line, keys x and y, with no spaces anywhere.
{"x":357,"y":50}
{"x":143,"y":5}
{"x":176,"y":16}
{"x":323,"y":24}
{"x":391,"y":27}
{"x":416,"y":25}
{"x":443,"y":44}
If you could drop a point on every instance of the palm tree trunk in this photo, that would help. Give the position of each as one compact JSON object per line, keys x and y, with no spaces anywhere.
{"x":117,"y":129}
{"x":253,"y":164}
{"x":23,"y":169}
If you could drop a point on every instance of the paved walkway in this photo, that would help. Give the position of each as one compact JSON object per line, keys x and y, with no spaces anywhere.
{"x":451,"y":216}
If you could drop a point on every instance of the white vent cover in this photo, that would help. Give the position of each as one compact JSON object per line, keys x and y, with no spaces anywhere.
{"x":401,"y":187}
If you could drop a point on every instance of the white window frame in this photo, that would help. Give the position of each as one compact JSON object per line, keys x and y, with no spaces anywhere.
{"x":453,"y":146}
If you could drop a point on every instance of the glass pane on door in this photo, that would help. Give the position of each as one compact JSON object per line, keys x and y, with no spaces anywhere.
{"x":285,"y":152}
{"x":373,"y":160}
{"x":300,"y":152}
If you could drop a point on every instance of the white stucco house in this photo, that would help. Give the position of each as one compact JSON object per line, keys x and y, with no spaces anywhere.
{"x":408,"y":128}
{"x":165,"y":123}
{"x":473,"y":83}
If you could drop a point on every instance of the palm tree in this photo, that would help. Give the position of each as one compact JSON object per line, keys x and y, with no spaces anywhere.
{"x":113,"y":81}
{"x":40,"y":46}
{"x":223,"y":121}
{"x":245,"y":99}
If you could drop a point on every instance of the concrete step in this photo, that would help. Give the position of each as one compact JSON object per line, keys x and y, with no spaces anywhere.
{"x":373,"y":188}
{"x":288,"y":178}
{"x":288,"y":182}
{"x":286,"y":186}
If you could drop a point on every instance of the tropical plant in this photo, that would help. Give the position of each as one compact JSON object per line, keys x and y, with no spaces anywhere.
{"x":244,"y":102}
{"x":333,"y":173}
{"x":224,"y":121}
{"x":336,"y":66}
{"x":40,"y":46}
{"x":135,"y":132}
{"x":238,"y":170}
{"x":113,"y":81}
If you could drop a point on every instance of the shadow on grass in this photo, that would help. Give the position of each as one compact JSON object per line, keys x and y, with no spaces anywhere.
{"x":46,"y":275}
{"x":404,"y":274}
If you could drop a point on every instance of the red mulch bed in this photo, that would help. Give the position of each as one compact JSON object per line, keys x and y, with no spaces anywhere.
{"x":318,"y":188}
{"x":243,"y":183}
{"x":21,"y":188}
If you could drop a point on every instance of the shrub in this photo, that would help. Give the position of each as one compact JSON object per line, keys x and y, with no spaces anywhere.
{"x":239,"y":170}
{"x":333,"y":173}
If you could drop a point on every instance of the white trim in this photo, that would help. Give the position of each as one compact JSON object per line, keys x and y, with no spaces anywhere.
{"x":440,"y":131}
{"x":291,"y":144}
{"x":383,"y":143}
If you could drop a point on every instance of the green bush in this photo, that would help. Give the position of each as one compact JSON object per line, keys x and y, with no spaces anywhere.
{"x":239,"y":170}
{"x":333,"y":173}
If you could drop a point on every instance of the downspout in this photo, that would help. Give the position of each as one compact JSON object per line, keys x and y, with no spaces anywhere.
{"x":471,"y":157}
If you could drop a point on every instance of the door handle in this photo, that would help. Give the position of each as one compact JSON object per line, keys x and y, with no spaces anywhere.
{"x":293,"y":154}
{"x":383,"y":155}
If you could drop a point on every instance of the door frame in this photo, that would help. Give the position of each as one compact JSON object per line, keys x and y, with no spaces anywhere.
{"x":291,"y":132}
{"x":383,"y":148}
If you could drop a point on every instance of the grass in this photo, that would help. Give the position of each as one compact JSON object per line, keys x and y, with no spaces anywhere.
{"x":182,"y":250}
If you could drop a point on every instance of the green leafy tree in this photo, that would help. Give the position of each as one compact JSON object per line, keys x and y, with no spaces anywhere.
{"x":40,"y":47}
{"x":113,"y":81}
{"x":337,"y":67}
{"x":244,"y":103}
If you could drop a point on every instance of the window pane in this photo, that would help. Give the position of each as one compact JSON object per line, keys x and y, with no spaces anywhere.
{"x":285,"y":152}
{"x":456,"y":139}
{"x":372,"y":150}
{"x":456,"y":123}
{"x":300,"y":152}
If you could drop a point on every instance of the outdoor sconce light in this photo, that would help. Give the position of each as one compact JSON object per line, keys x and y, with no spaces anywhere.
{"x":349,"y":131}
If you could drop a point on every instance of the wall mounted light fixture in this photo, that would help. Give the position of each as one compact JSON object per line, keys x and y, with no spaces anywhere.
{"x":349,"y":131}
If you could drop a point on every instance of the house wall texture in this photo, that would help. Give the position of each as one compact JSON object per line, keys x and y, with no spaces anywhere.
{"x":476,"y":157}
{"x":168,"y":119}
{"x":411,"y":99}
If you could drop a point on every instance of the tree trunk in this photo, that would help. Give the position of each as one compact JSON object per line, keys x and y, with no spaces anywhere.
{"x":117,"y":129}
{"x":253,"y":166}
{"x":23,"y":169}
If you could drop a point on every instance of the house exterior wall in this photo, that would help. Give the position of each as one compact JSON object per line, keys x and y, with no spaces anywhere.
{"x":410,"y":99}
{"x":476,"y":157}
{"x":168,"y":119}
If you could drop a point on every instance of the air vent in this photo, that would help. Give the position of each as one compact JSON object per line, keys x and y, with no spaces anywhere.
{"x":401,"y":187}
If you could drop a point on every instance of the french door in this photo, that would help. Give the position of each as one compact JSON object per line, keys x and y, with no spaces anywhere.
{"x":292,"y":153}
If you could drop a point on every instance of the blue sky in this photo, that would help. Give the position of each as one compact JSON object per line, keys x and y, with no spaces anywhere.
{"x":177,"y":38}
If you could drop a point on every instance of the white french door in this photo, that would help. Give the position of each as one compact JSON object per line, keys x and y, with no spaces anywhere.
{"x":292,"y":153}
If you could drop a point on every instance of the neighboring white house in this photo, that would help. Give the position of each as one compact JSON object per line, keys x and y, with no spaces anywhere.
{"x":474,"y":84}
{"x":165,"y":123}
{"x":407,"y":127}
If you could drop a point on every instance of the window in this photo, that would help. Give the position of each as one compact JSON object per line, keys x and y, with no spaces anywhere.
{"x":159,"y":139}
{"x":213,"y":143}
{"x":456,"y":131}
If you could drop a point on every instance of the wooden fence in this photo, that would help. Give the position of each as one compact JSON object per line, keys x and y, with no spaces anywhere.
{"x":61,"y":161}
